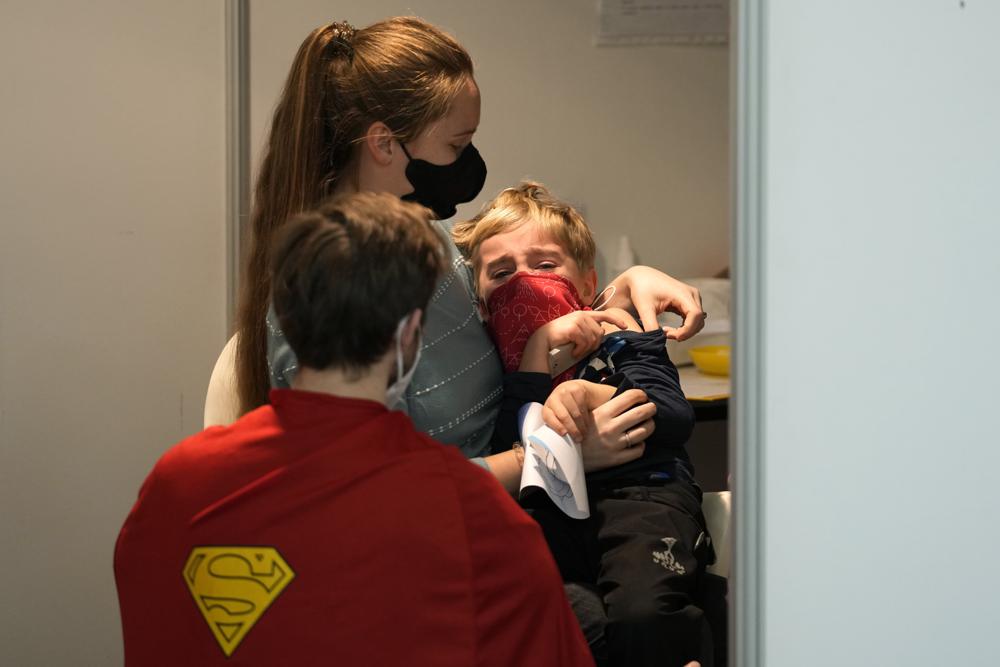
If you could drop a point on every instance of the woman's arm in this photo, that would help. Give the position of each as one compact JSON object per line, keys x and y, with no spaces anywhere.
{"x":506,"y":467}
{"x":652,"y":292}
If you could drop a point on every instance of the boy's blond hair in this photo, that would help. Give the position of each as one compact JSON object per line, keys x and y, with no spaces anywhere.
{"x":515,"y":206}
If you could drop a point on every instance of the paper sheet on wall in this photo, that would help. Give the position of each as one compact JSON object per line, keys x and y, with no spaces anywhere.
{"x":623,"y":22}
{"x":552,"y":463}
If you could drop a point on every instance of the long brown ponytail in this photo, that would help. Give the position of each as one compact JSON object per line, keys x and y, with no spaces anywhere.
{"x":401,"y":71}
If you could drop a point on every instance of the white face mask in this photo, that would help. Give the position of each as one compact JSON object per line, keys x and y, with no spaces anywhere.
{"x":394,"y":393}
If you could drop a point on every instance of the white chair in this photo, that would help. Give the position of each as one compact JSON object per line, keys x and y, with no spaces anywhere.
{"x":717,"y":507}
{"x":222,"y":405}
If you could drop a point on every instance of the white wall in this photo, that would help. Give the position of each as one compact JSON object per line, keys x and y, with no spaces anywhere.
{"x":112,"y":291}
{"x":637,"y":135}
{"x":880,"y":161}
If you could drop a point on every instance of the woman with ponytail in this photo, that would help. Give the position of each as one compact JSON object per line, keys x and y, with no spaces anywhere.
{"x":393,"y":108}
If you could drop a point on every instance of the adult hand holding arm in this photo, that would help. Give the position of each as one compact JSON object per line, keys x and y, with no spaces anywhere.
{"x":652,"y":292}
{"x":615,"y":434}
{"x":620,"y":428}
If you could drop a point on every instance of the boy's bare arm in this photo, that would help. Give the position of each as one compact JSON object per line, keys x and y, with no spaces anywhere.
{"x":630,"y":323}
{"x":583,"y":329}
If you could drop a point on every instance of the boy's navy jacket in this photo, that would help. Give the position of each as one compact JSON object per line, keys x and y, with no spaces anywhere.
{"x":627,"y":360}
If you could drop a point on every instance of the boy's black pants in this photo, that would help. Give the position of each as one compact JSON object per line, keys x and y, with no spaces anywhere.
{"x":643,"y":551}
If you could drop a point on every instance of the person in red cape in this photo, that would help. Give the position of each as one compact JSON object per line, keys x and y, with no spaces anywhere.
{"x":323,"y":528}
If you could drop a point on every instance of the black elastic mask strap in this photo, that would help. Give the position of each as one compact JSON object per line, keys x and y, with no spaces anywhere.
{"x":405,"y":152}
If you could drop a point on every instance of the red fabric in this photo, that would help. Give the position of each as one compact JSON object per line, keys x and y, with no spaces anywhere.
{"x":404,"y":553}
{"x":523,"y":304}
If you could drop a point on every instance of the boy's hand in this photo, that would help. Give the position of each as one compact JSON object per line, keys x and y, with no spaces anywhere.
{"x":582,"y":328}
{"x":567,"y":409}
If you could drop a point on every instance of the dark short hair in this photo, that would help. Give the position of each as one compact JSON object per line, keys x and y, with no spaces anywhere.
{"x":344,"y":275}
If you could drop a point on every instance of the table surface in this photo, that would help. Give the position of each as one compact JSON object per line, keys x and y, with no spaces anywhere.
{"x":698,"y":386}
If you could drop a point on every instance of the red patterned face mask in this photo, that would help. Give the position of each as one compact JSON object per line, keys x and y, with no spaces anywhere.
{"x":521,"y":305}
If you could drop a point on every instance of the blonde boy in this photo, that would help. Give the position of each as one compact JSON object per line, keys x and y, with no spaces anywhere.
{"x":645,"y":546}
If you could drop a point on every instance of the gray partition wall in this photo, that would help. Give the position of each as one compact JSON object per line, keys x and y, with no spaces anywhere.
{"x":868,"y":228}
{"x":112,"y":292}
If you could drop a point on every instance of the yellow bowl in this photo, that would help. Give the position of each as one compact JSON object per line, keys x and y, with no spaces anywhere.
{"x":711,"y":359}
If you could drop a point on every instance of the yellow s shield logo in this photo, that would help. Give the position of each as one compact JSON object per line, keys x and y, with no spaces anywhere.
{"x":234,"y":586}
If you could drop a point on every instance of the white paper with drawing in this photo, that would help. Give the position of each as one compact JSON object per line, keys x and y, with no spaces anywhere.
{"x":552,"y":462}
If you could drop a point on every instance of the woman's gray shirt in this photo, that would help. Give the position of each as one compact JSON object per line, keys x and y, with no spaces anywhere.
{"x":455,"y":393}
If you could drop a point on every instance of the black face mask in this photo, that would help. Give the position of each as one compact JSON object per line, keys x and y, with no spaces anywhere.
{"x":440,"y":187}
